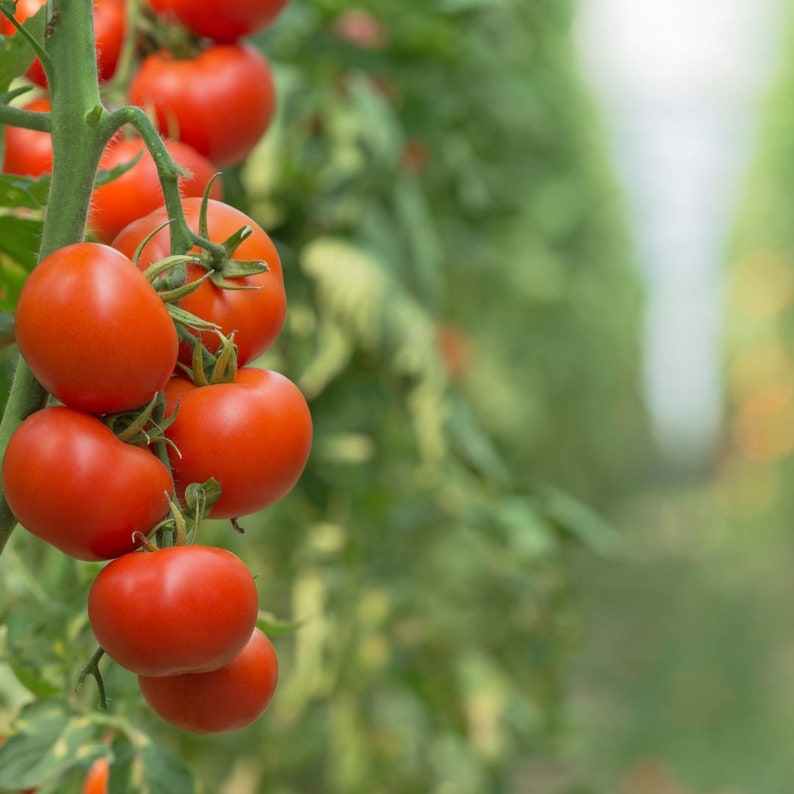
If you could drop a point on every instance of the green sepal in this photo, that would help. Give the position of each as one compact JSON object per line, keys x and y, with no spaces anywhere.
{"x":270,"y":624}
{"x":188,"y":320}
{"x":200,"y":497}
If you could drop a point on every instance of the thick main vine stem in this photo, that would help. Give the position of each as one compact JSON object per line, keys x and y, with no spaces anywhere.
{"x":80,"y":131}
{"x":74,"y":90}
{"x":81,"y":128}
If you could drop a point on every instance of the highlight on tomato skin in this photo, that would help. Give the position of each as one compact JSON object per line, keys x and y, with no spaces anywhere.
{"x":227,"y":699}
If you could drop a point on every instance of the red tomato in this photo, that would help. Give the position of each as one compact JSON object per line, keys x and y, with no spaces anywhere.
{"x":361,"y":28}
{"x":220,"y":102}
{"x":94,"y":331}
{"x":183,"y":609}
{"x":255,"y":315}
{"x":71,"y":482}
{"x":28,"y":152}
{"x":255,"y":444}
{"x":137,"y":191}
{"x":96,"y":781}
{"x":223,"y":700}
{"x":109,"y":25}
{"x":225,"y":22}
{"x":24,"y":10}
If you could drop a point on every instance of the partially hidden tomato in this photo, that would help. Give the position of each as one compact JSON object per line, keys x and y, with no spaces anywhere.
{"x":137,"y":191}
{"x":252,"y":435}
{"x":183,"y":609}
{"x":28,"y":152}
{"x":96,"y":781}
{"x":94,"y":331}
{"x":220,"y":102}
{"x":110,"y":19}
{"x":70,"y":481}
{"x":225,"y":22}
{"x":109,"y":27}
{"x":24,"y":10}
{"x":227,"y":699}
{"x":255,"y":314}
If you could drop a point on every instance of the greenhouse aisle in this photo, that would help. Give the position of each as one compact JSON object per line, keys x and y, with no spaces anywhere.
{"x":683,"y":682}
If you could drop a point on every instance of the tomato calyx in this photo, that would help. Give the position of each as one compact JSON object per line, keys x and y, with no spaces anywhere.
{"x":158,"y":34}
{"x":181,"y":527}
{"x":208,"y":369}
{"x":219,"y":259}
{"x":143,"y":427}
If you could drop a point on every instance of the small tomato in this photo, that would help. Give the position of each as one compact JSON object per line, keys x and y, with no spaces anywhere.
{"x":226,"y":699}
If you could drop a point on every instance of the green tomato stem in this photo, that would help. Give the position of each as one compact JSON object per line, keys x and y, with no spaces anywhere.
{"x":29,"y":119}
{"x":80,"y":130}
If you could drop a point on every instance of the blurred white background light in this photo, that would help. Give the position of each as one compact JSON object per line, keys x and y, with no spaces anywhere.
{"x":680,"y":84}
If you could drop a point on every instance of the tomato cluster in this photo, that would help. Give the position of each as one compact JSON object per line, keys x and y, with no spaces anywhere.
{"x":209,"y":92}
{"x":96,"y":333}
{"x":157,"y":417}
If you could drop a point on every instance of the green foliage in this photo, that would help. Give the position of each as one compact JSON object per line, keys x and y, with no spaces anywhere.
{"x":446,"y":179}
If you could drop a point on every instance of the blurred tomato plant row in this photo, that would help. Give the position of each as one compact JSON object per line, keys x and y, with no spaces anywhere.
{"x":756,"y":461}
{"x":464,"y":322}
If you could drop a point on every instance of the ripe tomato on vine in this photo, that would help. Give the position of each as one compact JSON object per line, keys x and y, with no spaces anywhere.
{"x":94,"y":331}
{"x":219,"y":101}
{"x":254,"y":310}
{"x":262,"y":416}
{"x":199,"y":602}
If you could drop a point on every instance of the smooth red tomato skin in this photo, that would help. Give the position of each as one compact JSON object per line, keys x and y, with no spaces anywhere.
{"x":224,"y":22}
{"x":253,"y":436}
{"x":220,"y":102}
{"x":137,"y":191}
{"x":227,"y":699}
{"x":183,"y":609}
{"x":255,"y":315}
{"x":71,"y":482}
{"x":94,"y":331}
{"x":28,"y":152}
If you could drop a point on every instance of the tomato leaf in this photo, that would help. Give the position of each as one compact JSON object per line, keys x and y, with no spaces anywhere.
{"x":162,"y":772}
{"x":19,"y":239}
{"x":24,"y":191}
{"x":48,"y":741}
{"x":106,"y":175}
{"x":16,"y":54}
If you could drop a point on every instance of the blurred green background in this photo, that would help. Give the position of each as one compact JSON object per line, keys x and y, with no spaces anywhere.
{"x":503,"y":587}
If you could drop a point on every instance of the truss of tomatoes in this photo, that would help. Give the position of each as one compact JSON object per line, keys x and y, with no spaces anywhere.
{"x":96,"y":333}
